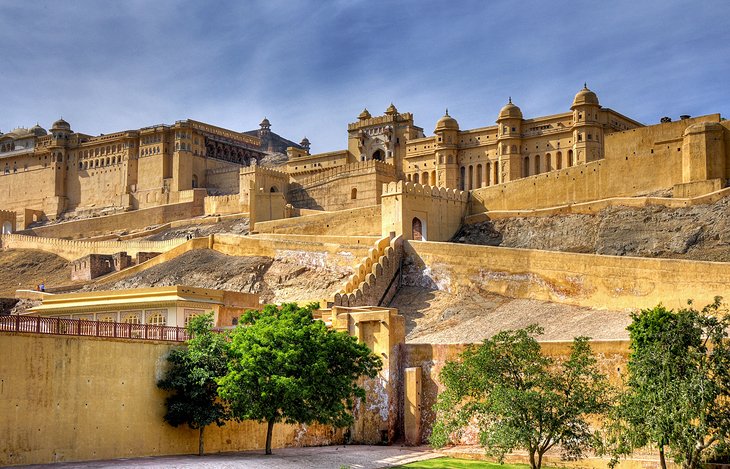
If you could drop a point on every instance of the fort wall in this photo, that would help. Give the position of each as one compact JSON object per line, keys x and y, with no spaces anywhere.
{"x":364,"y":221}
{"x":191,"y":205}
{"x":72,"y":249}
{"x":352,"y":185}
{"x":431,"y":358}
{"x":57,"y":406}
{"x":597,"y":281}
{"x":638,"y":162}
{"x":225,"y":204}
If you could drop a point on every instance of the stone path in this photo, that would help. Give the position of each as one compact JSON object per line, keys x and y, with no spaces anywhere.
{"x":324,"y":457}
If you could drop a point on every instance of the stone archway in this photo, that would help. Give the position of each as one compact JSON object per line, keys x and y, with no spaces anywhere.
{"x":418,"y":230}
{"x":7,"y":227}
{"x":379,"y":155}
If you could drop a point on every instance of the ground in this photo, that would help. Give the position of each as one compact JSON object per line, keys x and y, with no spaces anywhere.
{"x":325,"y":457}
{"x":274,"y":279}
{"x":25,"y":269}
{"x":700,"y":232}
{"x":439,"y":317}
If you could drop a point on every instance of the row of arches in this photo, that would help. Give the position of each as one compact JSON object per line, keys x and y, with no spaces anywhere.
{"x":100,"y":162}
{"x":535,"y":164}
{"x":424,"y":178}
{"x":481,"y":175}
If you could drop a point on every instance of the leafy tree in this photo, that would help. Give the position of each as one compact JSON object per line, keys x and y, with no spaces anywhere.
{"x":519,"y":398}
{"x":192,"y":376}
{"x":288,"y":367}
{"x":678,"y":385}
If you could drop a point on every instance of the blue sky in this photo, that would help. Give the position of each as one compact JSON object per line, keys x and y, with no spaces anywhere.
{"x":311,"y":66}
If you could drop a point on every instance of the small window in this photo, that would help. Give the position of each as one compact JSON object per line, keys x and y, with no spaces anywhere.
{"x":353,"y":193}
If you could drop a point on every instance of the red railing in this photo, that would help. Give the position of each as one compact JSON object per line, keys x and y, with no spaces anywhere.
{"x":83,"y":327}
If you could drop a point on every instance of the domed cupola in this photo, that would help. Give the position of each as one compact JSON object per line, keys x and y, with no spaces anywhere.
{"x":585,"y":97}
{"x":38,"y":131}
{"x":509,"y":111}
{"x":61,"y":124}
{"x":391,"y":111}
{"x":446,"y":123}
{"x":364,"y":115}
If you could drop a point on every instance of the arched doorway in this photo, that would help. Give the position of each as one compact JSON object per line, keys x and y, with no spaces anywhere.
{"x":7,"y":227}
{"x":418,"y":230}
{"x":273,"y":189}
{"x":379,"y":155}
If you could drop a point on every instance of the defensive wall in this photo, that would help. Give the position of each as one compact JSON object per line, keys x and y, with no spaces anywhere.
{"x":224,"y":180}
{"x":429,"y":360}
{"x":373,"y":283}
{"x":127,"y":221}
{"x":418,"y":211}
{"x":73,"y":249}
{"x":688,"y":157}
{"x":608,"y":282}
{"x":593,"y":207}
{"x":56,"y":406}
{"x":351,"y":185}
{"x":225,"y":204}
{"x":364,"y":221}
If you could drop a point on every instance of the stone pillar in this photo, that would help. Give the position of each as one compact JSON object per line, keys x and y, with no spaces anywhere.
{"x":412,"y":406}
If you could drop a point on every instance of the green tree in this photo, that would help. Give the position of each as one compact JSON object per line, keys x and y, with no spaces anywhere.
{"x":520,"y":398}
{"x":288,"y":367}
{"x":678,"y":386}
{"x":191,"y":377}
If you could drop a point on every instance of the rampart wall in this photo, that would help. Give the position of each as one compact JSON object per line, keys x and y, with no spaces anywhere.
{"x":364,"y":221}
{"x":192,"y":205}
{"x":612,"y":357}
{"x":638,"y":162}
{"x":57,"y":405}
{"x":224,"y":180}
{"x":595,"y":206}
{"x":352,"y":185}
{"x":597,"y":281}
{"x":73,"y":249}
{"x":225,"y":204}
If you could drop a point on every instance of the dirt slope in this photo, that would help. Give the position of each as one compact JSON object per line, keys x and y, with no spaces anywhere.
{"x":234,"y":226}
{"x":27,"y":268}
{"x":439,"y":317}
{"x":701,"y":232}
{"x":275,"y":280}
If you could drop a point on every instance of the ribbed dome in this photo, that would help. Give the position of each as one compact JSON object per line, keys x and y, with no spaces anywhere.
{"x":585,"y":96}
{"x":38,"y":131}
{"x":61,"y":124}
{"x":365,"y":114}
{"x":446,"y":123}
{"x":510,"y":111}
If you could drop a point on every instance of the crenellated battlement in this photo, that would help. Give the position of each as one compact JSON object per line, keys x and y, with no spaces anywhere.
{"x":416,"y":189}
{"x":73,"y":249}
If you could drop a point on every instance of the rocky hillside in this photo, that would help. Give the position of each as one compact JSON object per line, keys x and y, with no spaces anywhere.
{"x":276,"y":280}
{"x":25,"y":269}
{"x":701,"y":232}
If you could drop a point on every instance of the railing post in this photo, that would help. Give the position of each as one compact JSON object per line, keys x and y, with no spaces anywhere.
{"x":17,"y":323}
{"x":115,"y":329}
{"x":145,"y":330}
{"x":38,"y":324}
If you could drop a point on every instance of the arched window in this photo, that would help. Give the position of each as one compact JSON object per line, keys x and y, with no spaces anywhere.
{"x":273,"y":189}
{"x":525,"y":167}
{"x":7,"y":227}
{"x":415,"y":178}
{"x":470,"y":181}
{"x":157,"y":319}
{"x":496,"y":172}
{"x":479,"y":176}
{"x":548,"y":162}
{"x":433,"y":178}
{"x":195,"y":181}
{"x":570,"y":158}
{"x":379,"y":155}
{"x":462,"y":179}
{"x":424,"y":178}
{"x":131,"y":318}
{"x":559,"y":160}
{"x":537,"y":164}
{"x":353,"y":193}
{"x":487,"y":178}
{"x":418,"y":230}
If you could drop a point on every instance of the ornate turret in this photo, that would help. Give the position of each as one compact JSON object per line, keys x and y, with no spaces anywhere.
{"x":446,"y":123}
{"x":305,"y":144}
{"x":38,"y":131}
{"x":509,"y":141}
{"x":391,"y":111}
{"x":265,"y":124}
{"x":447,"y":135}
{"x":364,"y":115}
{"x":587,"y":130}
